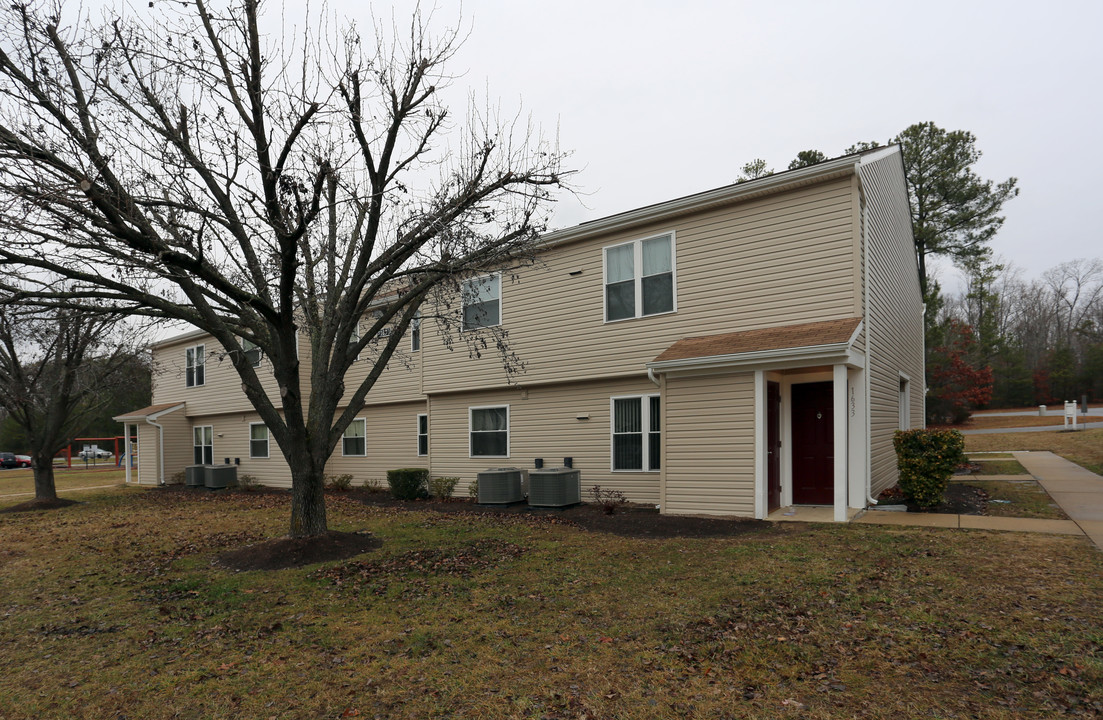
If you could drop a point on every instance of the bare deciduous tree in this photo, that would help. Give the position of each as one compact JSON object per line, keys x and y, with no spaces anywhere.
{"x":57,"y":368}
{"x":180,"y":163}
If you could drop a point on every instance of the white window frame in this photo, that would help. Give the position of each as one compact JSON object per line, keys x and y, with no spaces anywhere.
{"x":194,"y":446}
{"x":904,"y":402}
{"x":415,"y":324}
{"x":344,"y":435}
{"x":470,"y":417}
{"x":645,"y":432}
{"x":354,"y":336}
{"x":426,"y":434}
{"x":637,"y":269}
{"x":463,"y":305}
{"x":196,"y":365}
{"x":267,"y":441}
{"x":246,"y":350}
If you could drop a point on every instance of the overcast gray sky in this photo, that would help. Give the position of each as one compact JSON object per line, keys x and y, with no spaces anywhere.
{"x":660,"y":99}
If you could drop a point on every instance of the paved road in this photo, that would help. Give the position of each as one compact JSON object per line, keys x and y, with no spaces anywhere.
{"x":1037,"y":428}
{"x":1053,"y":411}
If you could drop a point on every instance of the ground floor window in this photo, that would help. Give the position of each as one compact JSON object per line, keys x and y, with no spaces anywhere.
{"x":489,"y":431}
{"x":355,"y":441}
{"x":636,"y":441}
{"x":258,"y":440}
{"x":422,"y":434}
{"x":203,"y":444}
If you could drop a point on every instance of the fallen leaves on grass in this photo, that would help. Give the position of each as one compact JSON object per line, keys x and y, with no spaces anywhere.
{"x":460,"y":562}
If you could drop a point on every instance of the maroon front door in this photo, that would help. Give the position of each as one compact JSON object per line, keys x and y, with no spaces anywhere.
{"x":813,"y":444}
{"x":773,"y":446}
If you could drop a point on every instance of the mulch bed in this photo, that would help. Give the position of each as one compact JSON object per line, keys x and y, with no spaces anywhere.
{"x":291,"y":552}
{"x":32,"y":505}
{"x":959,"y":499}
{"x":635,"y":521}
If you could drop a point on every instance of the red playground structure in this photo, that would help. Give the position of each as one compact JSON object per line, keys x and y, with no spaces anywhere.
{"x":97,"y":452}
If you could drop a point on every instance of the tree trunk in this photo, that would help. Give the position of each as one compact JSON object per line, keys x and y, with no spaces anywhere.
{"x":308,"y":503}
{"x":43,"y":469}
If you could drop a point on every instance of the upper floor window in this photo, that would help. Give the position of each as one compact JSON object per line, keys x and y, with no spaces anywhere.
{"x":252,"y":352}
{"x":415,"y":332}
{"x":194,"y":363}
{"x":482,"y":301}
{"x":639,"y":278}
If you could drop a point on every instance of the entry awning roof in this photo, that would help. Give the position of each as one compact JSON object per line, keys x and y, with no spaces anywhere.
{"x":153,"y":411}
{"x":807,"y":340}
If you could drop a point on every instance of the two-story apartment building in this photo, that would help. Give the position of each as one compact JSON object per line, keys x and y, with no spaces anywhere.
{"x":730,"y":352}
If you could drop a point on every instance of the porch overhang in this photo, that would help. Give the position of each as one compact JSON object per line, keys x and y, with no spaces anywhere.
{"x":148,"y":413}
{"x":830,"y":342}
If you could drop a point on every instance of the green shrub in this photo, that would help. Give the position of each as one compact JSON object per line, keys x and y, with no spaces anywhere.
{"x":442,"y":487}
{"x":926,"y":459}
{"x":473,"y":489}
{"x":408,"y":483}
{"x":340,"y":483}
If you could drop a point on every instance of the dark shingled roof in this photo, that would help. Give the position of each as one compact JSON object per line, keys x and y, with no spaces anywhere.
{"x":827,"y":332}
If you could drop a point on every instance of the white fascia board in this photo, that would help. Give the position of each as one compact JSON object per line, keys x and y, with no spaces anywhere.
{"x":154,"y":416}
{"x":811,"y":353}
{"x":710,"y":198}
{"x":191,"y":334}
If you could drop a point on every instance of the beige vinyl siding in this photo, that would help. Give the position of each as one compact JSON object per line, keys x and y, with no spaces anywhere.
{"x":231,"y":440}
{"x":221,"y":391}
{"x":708,"y":445}
{"x":894,"y":318}
{"x":399,"y":382}
{"x":776,"y":260}
{"x":391,"y":443}
{"x":178,"y":442}
{"x":149,"y":455}
{"x":543,"y":424}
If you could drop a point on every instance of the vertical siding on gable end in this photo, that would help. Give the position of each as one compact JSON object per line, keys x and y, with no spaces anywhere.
{"x":895,"y":313}
{"x":178,"y":442}
{"x":149,"y":469}
{"x":776,"y":260}
{"x":709,"y":445}
{"x":545,"y":425}
{"x":391,"y":443}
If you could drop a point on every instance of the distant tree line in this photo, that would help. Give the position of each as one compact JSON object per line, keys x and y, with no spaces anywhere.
{"x":1042,"y":338}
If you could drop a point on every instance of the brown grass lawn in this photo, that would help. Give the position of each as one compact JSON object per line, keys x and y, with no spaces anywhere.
{"x":1084,"y":447}
{"x":1018,"y":498}
{"x":22,"y":481}
{"x":984,"y":422}
{"x":113,"y":607}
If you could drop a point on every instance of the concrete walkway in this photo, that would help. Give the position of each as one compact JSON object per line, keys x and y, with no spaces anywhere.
{"x":1079,"y":492}
{"x":972,"y":522}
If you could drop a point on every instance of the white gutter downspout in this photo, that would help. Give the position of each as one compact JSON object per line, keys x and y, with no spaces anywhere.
{"x":652,"y":378}
{"x":160,"y":449}
{"x":869,"y":349}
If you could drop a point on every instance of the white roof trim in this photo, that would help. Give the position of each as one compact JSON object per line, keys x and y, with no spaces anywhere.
{"x":709,"y":198}
{"x":808,"y":353}
{"x":152,"y":416}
